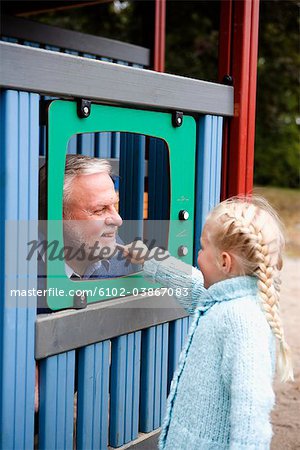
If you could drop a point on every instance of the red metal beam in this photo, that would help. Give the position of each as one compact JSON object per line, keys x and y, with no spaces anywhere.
{"x":160,"y":36}
{"x":239,"y":42}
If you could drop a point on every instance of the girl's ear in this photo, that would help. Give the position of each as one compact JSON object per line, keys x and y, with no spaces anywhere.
{"x":226,"y":262}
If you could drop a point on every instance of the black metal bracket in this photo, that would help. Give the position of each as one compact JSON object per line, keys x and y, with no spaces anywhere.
{"x":228,"y":80}
{"x":83,"y":108}
{"x":80,"y":301}
{"x":177,"y":119}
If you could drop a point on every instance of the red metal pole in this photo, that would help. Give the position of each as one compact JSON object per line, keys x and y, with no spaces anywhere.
{"x":160,"y":35}
{"x":241,"y":59}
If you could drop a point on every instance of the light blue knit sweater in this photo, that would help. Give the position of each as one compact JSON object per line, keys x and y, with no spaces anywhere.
{"x":221,"y":394}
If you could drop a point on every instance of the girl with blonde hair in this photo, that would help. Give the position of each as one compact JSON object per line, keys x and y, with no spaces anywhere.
{"x":221,"y":394}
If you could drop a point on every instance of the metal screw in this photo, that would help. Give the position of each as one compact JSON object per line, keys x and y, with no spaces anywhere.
{"x":86,"y":111}
{"x":182,"y":250}
{"x":83,"y":108}
{"x":177,"y":118}
{"x":183,"y":214}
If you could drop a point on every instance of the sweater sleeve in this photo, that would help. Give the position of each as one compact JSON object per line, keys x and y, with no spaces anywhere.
{"x":186,"y":280}
{"x":247,"y":373}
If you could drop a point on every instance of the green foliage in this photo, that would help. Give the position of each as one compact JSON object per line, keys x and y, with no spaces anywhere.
{"x":192,"y":31}
{"x":106,"y":20}
{"x":277,"y":133}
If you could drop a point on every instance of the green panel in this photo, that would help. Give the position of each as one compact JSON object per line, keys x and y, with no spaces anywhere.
{"x":63,"y":123}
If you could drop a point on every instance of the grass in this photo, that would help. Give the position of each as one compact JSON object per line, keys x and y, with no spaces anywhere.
{"x":287,"y":203}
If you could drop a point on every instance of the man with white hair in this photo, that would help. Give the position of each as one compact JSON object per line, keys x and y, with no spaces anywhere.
{"x":90,"y":219}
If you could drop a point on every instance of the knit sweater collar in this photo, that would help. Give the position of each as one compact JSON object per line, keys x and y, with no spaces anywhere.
{"x":228,"y":289}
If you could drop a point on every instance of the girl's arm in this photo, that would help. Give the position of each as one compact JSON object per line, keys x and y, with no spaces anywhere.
{"x":185,"y":280}
{"x":247,"y":373}
{"x":159,"y":266}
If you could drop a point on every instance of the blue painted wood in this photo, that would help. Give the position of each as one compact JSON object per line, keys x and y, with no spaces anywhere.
{"x":132,"y":177}
{"x":9,"y":39}
{"x":115,"y":145}
{"x":86,"y":144}
{"x":177,"y":336}
{"x":125,"y":383}
{"x":18,"y":213}
{"x":72,"y":145}
{"x":105,"y":59}
{"x":103,"y":145}
{"x":158,"y":180}
{"x":56,"y":401}
{"x":208,"y":171}
{"x":31,"y":44}
{"x":53,"y":48}
{"x":154,"y":377}
{"x":93,"y":396}
{"x":158,"y":193}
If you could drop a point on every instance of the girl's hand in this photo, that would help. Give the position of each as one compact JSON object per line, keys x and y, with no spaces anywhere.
{"x":136,"y":252}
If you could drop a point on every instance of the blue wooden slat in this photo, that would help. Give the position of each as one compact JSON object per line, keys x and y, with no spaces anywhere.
{"x":103,"y":145}
{"x":177,"y":336}
{"x":129,"y":388}
{"x":19,"y":164}
{"x":157,"y":376}
{"x":56,"y":401}
{"x":125,"y":382}
{"x":117,"y":391}
{"x":122,"y":63}
{"x":86,"y":144}
{"x":158,"y":192}
{"x":153,"y":377}
{"x":132,"y":175}
{"x":52,"y":48}
{"x":164,"y":373}
{"x":9,"y":39}
{"x":136,"y":384}
{"x":70,"y":52}
{"x":102,"y":58}
{"x":22,"y":280}
{"x":219,"y":133}
{"x":147,"y":380}
{"x":115,"y":145}
{"x":208,"y":171}
{"x":158,"y":180}
{"x":32,"y":44}
{"x":72,"y":145}
{"x":93,"y":395}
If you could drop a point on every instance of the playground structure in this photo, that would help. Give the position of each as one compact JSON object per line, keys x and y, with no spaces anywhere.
{"x":125,"y":356}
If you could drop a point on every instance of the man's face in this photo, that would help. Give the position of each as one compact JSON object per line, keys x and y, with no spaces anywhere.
{"x":90,"y":216}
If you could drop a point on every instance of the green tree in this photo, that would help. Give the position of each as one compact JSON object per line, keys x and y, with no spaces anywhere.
{"x":277,"y":131}
{"x":192,"y":32}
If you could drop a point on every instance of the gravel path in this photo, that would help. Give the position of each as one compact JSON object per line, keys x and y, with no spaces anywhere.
{"x":286,"y":414}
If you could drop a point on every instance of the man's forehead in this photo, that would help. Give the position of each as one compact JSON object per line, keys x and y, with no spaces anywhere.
{"x":103,"y":200}
{"x":93,"y":188}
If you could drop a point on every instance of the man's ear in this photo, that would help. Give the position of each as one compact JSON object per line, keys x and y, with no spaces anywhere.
{"x":226,"y":262}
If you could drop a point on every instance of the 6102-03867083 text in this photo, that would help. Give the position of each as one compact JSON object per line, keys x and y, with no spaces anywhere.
{"x":102,"y":292}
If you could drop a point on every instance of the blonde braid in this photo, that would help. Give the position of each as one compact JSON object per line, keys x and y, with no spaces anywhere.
{"x":251,"y":231}
{"x":269,"y":286}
